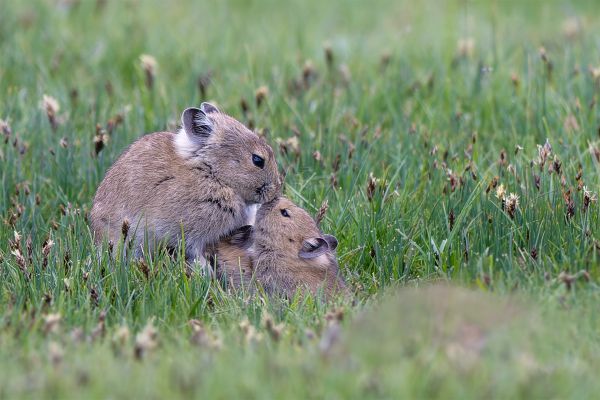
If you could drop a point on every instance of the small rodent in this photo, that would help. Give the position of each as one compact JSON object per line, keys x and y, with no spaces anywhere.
{"x":283,"y":252}
{"x":204,"y":181}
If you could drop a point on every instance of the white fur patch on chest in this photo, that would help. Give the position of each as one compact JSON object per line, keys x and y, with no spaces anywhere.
{"x":251,"y":213}
{"x":184,"y":146}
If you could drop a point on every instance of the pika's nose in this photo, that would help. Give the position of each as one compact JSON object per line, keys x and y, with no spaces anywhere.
{"x":274,"y":191}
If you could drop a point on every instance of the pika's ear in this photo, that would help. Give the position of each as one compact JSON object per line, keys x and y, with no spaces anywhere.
{"x":208,"y":108}
{"x":313,"y":247}
{"x":241,"y":237}
{"x":331,"y":241}
{"x":196,"y":124}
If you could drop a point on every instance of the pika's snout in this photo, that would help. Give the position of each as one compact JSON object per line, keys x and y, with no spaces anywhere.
{"x":268,"y":191}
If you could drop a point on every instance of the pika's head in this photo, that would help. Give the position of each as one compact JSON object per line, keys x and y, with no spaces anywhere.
{"x":230,"y":152}
{"x":283,"y":227}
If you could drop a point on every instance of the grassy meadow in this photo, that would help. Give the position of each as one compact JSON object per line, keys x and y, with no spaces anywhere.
{"x":456,"y":143}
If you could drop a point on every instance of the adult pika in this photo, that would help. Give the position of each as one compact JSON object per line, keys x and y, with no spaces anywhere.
{"x":204,"y":181}
{"x":284,"y":252}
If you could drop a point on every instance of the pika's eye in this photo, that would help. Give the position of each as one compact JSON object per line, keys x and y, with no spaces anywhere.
{"x":285,"y":213}
{"x":258,"y":161}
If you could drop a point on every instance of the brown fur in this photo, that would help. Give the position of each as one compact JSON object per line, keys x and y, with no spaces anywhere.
{"x":204,"y":192}
{"x":273,"y":258}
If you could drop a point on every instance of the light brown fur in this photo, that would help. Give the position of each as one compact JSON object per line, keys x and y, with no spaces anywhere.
{"x":204,"y":189}
{"x":273,"y":254}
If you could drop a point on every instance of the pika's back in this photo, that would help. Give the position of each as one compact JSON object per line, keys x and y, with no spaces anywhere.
{"x":146,"y":164}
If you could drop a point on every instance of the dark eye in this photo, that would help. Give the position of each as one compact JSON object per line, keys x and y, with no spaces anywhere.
{"x":258,"y":161}
{"x":285,"y":213}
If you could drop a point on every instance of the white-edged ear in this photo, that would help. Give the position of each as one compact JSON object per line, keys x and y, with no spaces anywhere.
{"x":208,"y":108}
{"x":196,"y":124}
{"x":331,"y":241}
{"x":313,"y":247}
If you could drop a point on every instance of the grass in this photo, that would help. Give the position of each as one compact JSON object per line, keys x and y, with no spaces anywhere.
{"x":409,"y":119}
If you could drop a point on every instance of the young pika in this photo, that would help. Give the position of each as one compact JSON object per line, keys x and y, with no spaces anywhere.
{"x":283,"y":252}
{"x":204,"y":181}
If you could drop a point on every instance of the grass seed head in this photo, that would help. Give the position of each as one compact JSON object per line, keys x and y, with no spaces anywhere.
{"x":534,"y":253}
{"x":371,"y":186}
{"x":46,"y":247}
{"x":571,"y":27}
{"x":249,"y":331}
{"x":385,"y":59}
{"x":493,"y":184}
{"x":290,"y":145}
{"x":588,"y":198}
{"x":322,"y":211}
{"x":100,"y":140}
{"x":274,"y":330}
{"x":121,"y":336}
{"x":146,"y":340}
{"x":567,"y":279}
{"x":260,"y":95}
{"x":514,"y":78}
{"x":51,"y":107}
{"x":16,"y":242}
{"x":543,"y":54}
{"x":503,"y":158}
{"x":328,"y":51}
{"x":345,"y":74}
{"x":203,"y":82}
{"x":465,"y":47}
{"x":595,"y":72}
{"x":55,"y":353}
{"x":518,"y":148}
{"x":94,"y":297}
{"x":51,"y":323}
{"x":333,"y":180}
{"x":114,"y":122}
{"x":309,"y":74}
{"x":125,"y":228}
{"x":200,"y":335}
{"x":77,"y":335}
{"x":555,"y":166}
{"x":454,"y":180}
{"x":244,"y":106}
{"x":317,"y":156}
{"x":21,"y":262}
{"x":144,"y":268}
{"x":570,"y":123}
{"x":331,"y":336}
{"x":149,"y":66}
{"x":570,"y":208}
{"x":6,"y":130}
{"x":544,"y":153}
{"x":511,"y":204}
{"x":335,"y":316}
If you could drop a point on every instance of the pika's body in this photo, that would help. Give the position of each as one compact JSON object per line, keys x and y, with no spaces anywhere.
{"x":284,"y":252}
{"x":203,"y":182}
